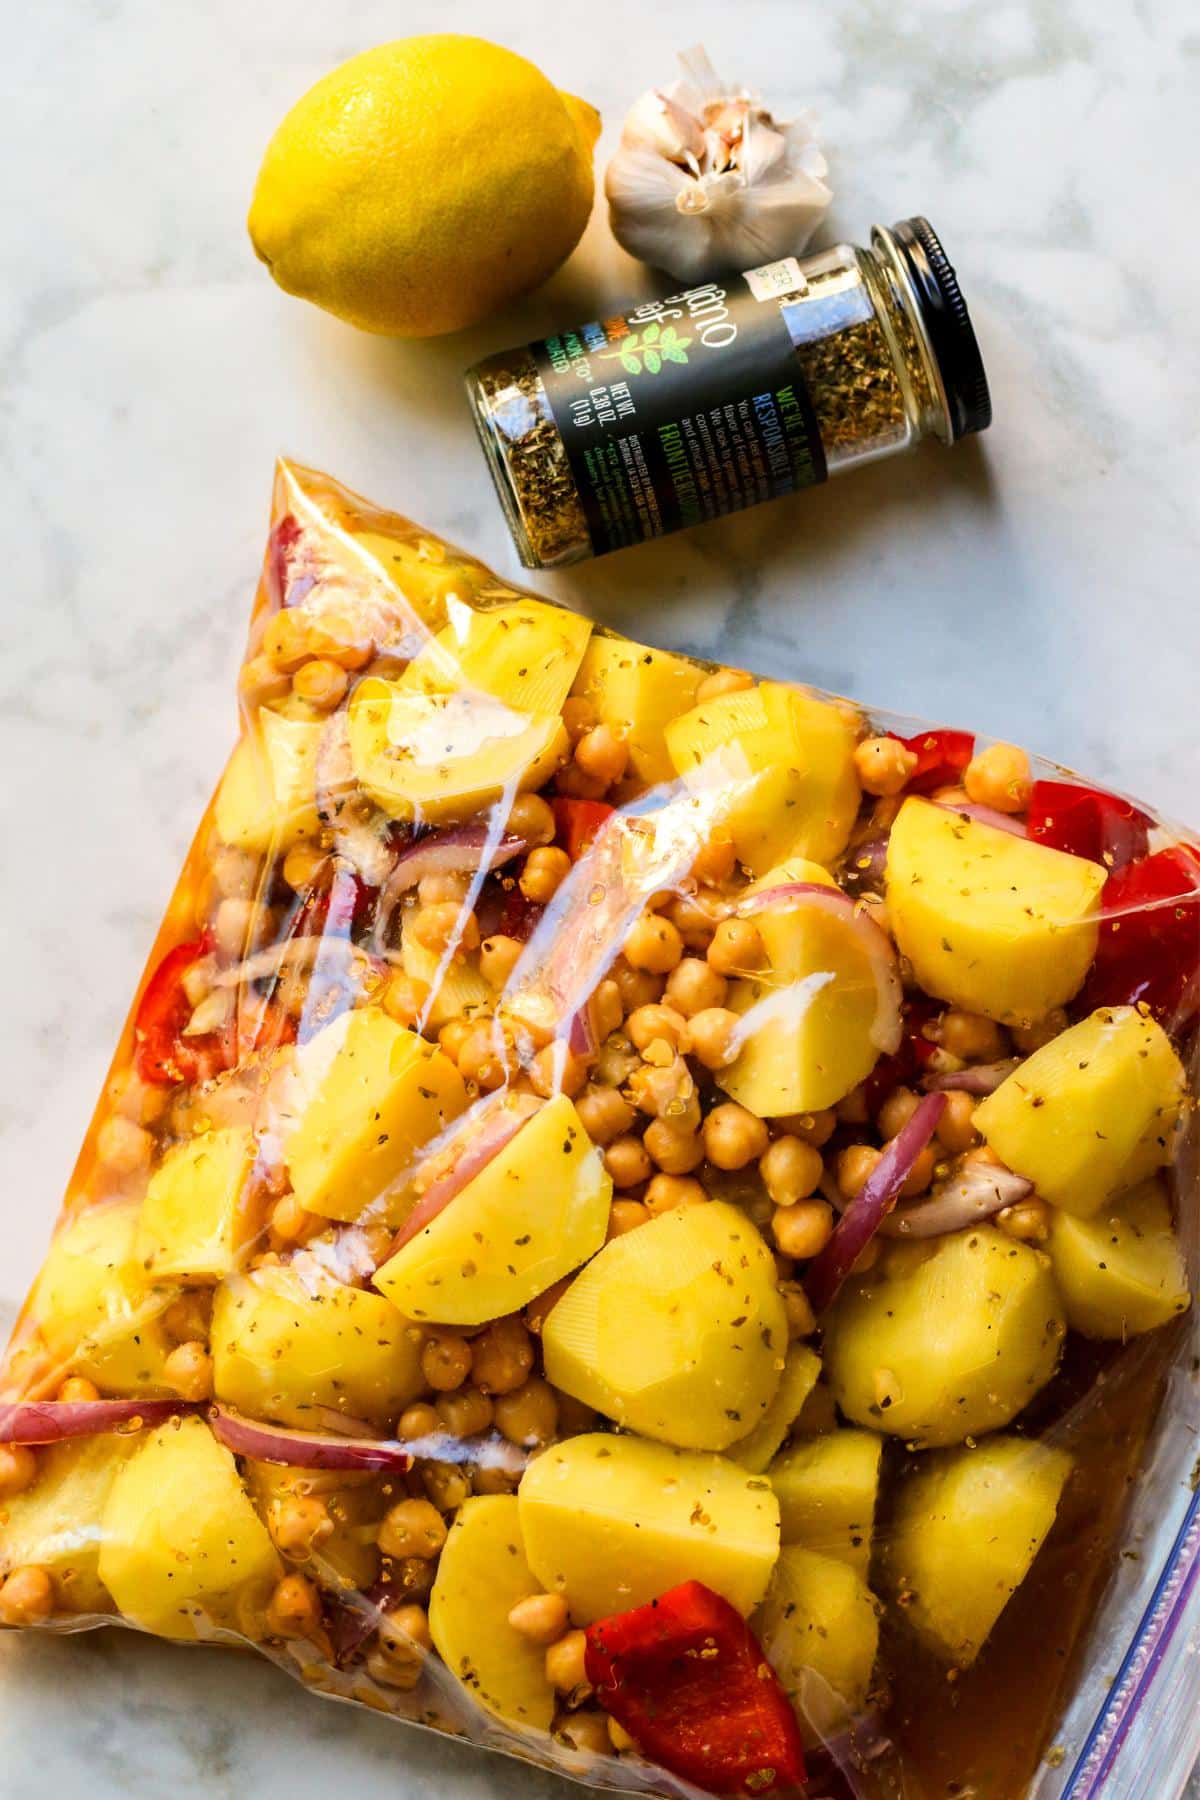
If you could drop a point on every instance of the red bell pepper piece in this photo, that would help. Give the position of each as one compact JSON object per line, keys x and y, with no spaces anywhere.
{"x":162,"y":1055}
{"x":687,"y":1679}
{"x":1149,"y":946}
{"x":1087,"y":822}
{"x":577,"y":822}
{"x":941,"y":755}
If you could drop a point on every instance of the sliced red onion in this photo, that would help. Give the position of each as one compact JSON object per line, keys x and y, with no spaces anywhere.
{"x":51,"y":1421}
{"x":867,"y":1211}
{"x":460,"y":851}
{"x":887,"y":1029}
{"x":973,"y":1193}
{"x":488,"y":1135}
{"x":306,"y":1449}
{"x":984,"y":815}
{"x":983,"y":1078}
{"x":581,"y":1034}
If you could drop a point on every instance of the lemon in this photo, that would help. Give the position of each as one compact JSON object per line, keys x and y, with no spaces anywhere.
{"x":422,"y":185}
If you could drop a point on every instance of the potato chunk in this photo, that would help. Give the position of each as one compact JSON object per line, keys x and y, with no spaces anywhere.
{"x":533,"y":1213}
{"x":181,"y":1544}
{"x":362,"y":1096}
{"x":194,"y":1219}
{"x":1122,"y":1271}
{"x":55,"y":1524}
{"x":98,"y":1310}
{"x":611,"y":1522}
{"x":991,"y":922}
{"x":268,"y":794}
{"x":638,"y":691}
{"x":288,"y":1339}
{"x":793,"y":755}
{"x":675,"y":1330}
{"x":951,"y":1348}
{"x":482,"y":1574}
{"x":1093,"y":1111}
{"x":966,"y":1528}
{"x":801,"y":1368}
{"x":819,"y":1626}
{"x":827,"y":1488}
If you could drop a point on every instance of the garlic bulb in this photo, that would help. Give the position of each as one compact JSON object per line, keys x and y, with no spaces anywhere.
{"x":705,"y":179}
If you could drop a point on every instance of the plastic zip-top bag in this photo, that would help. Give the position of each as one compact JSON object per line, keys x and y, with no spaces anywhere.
{"x":641,"y":1215}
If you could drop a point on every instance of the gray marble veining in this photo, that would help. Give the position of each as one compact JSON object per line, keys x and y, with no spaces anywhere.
{"x":1039,"y":583}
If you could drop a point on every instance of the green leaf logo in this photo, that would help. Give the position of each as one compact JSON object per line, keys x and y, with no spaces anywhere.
{"x":644,"y":352}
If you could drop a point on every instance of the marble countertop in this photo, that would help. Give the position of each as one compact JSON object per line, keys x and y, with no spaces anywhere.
{"x":1040,"y":582}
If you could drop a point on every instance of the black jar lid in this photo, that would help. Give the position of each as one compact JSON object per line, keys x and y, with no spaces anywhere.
{"x":948,"y":323}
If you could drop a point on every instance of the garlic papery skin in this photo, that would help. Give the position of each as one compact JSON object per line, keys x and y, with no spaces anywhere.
{"x":705,"y":179}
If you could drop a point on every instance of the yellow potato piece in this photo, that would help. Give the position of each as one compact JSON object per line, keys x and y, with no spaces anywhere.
{"x":989,"y":921}
{"x":268,"y":794}
{"x":808,"y":1016}
{"x":362,"y":1097}
{"x":55,"y":1524}
{"x":676,"y":1330}
{"x":425,"y":574}
{"x":638,"y":691}
{"x":482,"y":1574}
{"x":525,"y":654}
{"x":289,"y":1339}
{"x":801,"y":1368}
{"x":438,"y":757}
{"x":611,"y":1522}
{"x":194,"y":1221}
{"x":98,"y":1309}
{"x":964,"y":1532}
{"x":181,"y":1544}
{"x":793,"y":755}
{"x":1095,"y":1110}
{"x":1120,"y":1272}
{"x":827,"y":1488}
{"x":950,"y":1348}
{"x":819,"y":1626}
{"x":533,"y":1213}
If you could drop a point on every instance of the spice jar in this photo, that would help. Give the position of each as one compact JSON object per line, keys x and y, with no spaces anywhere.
{"x":741,"y":389}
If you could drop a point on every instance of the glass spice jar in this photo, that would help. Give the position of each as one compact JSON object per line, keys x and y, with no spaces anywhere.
{"x":735,"y":391}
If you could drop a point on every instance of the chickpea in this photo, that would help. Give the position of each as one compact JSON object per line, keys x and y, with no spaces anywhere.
{"x":493,"y":1481}
{"x":814,"y":1128}
{"x":498,"y":957}
{"x":852,"y":1108}
{"x":578,"y":716}
{"x":540,"y":1618}
{"x":801,"y":1320}
{"x":320,"y":683}
{"x":544,"y":872}
{"x":971,"y":1036}
{"x":921,"y":1173}
{"x":607,"y":1009}
{"x":714,"y":1034}
{"x":884,"y":765}
{"x":298,"y":1523}
{"x":122,"y":1146}
{"x":724,"y":681}
{"x":529,"y":1415}
{"x":77,"y":1389}
{"x":999,"y":777}
{"x":565,"y":1668}
{"x":487,"y":1056}
{"x":625,"y":1216}
{"x":737,"y":947}
{"x":418,"y":1421}
{"x":538,"y":1309}
{"x":405,"y":1630}
{"x":804,"y":1229}
{"x":394,"y":1672}
{"x":27,"y":1597}
{"x":436,"y":927}
{"x":733,"y":1136}
{"x":694,"y":986}
{"x":18,"y":1469}
{"x":557,"y":1070}
{"x":261,"y":681}
{"x":465,"y":1413}
{"x":446,"y":1485}
{"x":405,"y":998}
{"x":696,"y":917}
{"x":586,"y":1731}
{"x":667,"y":1092}
{"x":435,"y":890}
{"x":306,"y":866}
{"x":1028,"y":1220}
{"x":412,"y":1528}
{"x":653,"y":944}
{"x":285,"y":640}
{"x":637,"y":987}
{"x":1028,"y":1038}
{"x":855,"y":1165}
{"x":676,"y":1150}
{"x":603,"y":754}
{"x":790,"y":1169}
{"x":189,"y":1370}
{"x":445,"y":1362}
{"x":657,"y":1023}
{"x":453,"y":1036}
{"x":531,"y":818}
{"x":502,"y":1356}
{"x":627,"y":1162}
{"x":189,"y":1317}
{"x":571,"y":780}
{"x":665,"y":1192}
{"x":605,"y":1114}
{"x":956,"y":1127}
{"x":295,"y":1609}
{"x":291,"y":1223}
{"x":896,"y":1111}
{"x":716,"y":859}
{"x":142,"y":1101}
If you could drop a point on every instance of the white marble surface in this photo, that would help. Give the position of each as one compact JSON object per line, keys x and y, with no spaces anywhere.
{"x":1040,"y":583}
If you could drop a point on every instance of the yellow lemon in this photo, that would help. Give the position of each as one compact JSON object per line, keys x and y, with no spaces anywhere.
{"x":422,"y":185}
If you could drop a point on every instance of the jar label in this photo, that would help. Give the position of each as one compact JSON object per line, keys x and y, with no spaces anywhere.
{"x":685,"y":408}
